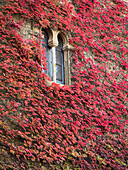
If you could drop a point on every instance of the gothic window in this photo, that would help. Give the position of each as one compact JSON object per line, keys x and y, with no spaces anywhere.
{"x":57,"y":53}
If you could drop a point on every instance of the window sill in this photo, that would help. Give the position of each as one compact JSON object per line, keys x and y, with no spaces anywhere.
{"x":49,"y":83}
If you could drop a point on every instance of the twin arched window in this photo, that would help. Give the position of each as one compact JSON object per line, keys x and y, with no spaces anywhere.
{"x":55,"y":59}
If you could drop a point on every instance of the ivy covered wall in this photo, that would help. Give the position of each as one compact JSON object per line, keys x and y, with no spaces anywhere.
{"x":83,"y":126}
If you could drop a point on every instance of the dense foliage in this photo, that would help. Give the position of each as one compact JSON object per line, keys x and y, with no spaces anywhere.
{"x":83,"y":126}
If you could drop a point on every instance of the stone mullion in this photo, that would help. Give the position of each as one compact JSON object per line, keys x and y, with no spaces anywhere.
{"x":54,"y":63}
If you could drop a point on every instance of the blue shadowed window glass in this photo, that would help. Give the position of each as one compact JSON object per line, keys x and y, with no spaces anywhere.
{"x":60,"y":62}
{"x":48,"y":55}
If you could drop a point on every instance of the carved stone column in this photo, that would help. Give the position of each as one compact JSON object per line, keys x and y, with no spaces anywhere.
{"x":67,"y":66}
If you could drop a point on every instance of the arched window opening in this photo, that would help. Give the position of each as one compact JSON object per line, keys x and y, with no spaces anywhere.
{"x":60,"y":62}
{"x":48,"y":52}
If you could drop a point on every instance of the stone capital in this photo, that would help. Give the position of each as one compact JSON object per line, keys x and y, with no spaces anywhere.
{"x":53,"y":43}
{"x":67,"y":47}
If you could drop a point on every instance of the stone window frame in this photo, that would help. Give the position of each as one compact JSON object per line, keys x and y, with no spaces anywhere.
{"x":53,"y":43}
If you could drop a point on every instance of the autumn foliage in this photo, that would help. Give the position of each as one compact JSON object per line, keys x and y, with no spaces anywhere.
{"x":83,"y":126}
